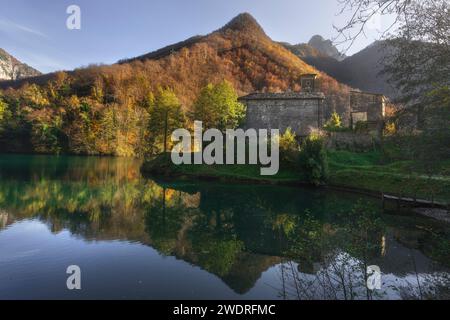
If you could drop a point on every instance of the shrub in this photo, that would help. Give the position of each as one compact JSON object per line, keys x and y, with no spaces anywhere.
{"x":289,"y":148}
{"x":389,"y":129}
{"x":334,"y":123}
{"x":313,"y":159}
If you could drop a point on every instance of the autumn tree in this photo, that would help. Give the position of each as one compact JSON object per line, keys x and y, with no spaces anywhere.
{"x":218,"y":107}
{"x":4,"y":113}
{"x":108,"y":134}
{"x":3,"y":109}
{"x":165,"y":115}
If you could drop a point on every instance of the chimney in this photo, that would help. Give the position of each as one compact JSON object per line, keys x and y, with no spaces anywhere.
{"x":307,"y":81}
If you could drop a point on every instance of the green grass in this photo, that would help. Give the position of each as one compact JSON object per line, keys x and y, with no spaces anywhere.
{"x":363,"y":171}
{"x":162,"y":165}
{"x":367,"y":171}
{"x":346,"y":158}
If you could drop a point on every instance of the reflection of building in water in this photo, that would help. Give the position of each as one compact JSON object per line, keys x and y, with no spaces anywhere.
{"x":3,"y":218}
{"x":402,"y":266}
{"x":396,"y":257}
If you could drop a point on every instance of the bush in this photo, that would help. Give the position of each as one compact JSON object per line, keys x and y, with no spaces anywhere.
{"x":334,"y":123}
{"x":313,"y":159}
{"x":389,"y":129}
{"x":289,"y":148}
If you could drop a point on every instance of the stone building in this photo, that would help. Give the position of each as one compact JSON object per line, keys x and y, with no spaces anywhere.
{"x":306,"y":110}
{"x":367,"y":107}
{"x":299,"y":111}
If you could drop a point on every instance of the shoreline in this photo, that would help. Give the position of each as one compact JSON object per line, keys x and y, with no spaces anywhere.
{"x":157,"y":168}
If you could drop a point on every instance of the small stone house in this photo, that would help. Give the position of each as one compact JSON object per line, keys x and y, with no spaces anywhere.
{"x":367,"y":107}
{"x":306,"y":110}
{"x":299,"y":111}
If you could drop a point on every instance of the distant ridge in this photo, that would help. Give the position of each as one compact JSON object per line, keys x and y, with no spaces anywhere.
{"x":326,"y":47}
{"x":363,"y":70}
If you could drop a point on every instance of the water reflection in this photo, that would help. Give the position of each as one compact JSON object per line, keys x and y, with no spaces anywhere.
{"x":317,"y":242}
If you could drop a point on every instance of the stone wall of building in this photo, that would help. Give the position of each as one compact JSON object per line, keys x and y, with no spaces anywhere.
{"x":367,"y":107}
{"x":302,"y":111}
{"x":280,"y":112}
{"x":351,"y":141}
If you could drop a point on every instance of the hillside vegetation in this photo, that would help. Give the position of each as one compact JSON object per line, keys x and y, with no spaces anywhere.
{"x":104,"y":109}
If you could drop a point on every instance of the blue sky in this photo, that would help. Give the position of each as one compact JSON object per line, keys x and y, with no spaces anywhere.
{"x":35,"y":32}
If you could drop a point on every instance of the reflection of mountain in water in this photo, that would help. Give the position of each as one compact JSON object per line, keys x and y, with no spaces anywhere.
{"x":234,"y":232}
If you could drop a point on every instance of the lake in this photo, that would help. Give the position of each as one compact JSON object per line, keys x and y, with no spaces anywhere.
{"x":138,"y":238}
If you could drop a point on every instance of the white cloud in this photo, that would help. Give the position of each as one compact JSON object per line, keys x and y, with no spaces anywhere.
{"x":10,"y":26}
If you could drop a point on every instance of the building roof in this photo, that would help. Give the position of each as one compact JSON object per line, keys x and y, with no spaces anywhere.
{"x":284,"y":96}
{"x":365,"y":92}
{"x":309,"y":75}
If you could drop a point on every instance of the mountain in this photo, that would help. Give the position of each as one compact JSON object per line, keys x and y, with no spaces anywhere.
{"x":326,"y":47}
{"x":13,"y":69}
{"x":303,"y":50}
{"x":239,"y":52}
{"x":103,"y":109}
{"x":361,"y":70}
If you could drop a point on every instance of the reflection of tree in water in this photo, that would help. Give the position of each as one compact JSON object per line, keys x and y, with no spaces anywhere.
{"x":327,"y":251}
{"x":343,"y":277}
{"x":3,"y":219}
{"x":234,"y":232}
{"x":435,"y":286}
{"x":166,"y":221}
{"x":329,"y":261}
{"x":202,"y":239}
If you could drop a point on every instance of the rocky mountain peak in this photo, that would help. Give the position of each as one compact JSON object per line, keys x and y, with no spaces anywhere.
{"x":244,"y":22}
{"x":13,"y":69}
{"x":326,"y":47}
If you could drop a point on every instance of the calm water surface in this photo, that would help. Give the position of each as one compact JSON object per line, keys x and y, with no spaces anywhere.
{"x":137,"y":238}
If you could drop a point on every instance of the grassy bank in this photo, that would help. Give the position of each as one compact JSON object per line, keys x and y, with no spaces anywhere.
{"x":366,"y":171}
{"x":362,"y":171}
{"x":162,"y":166}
